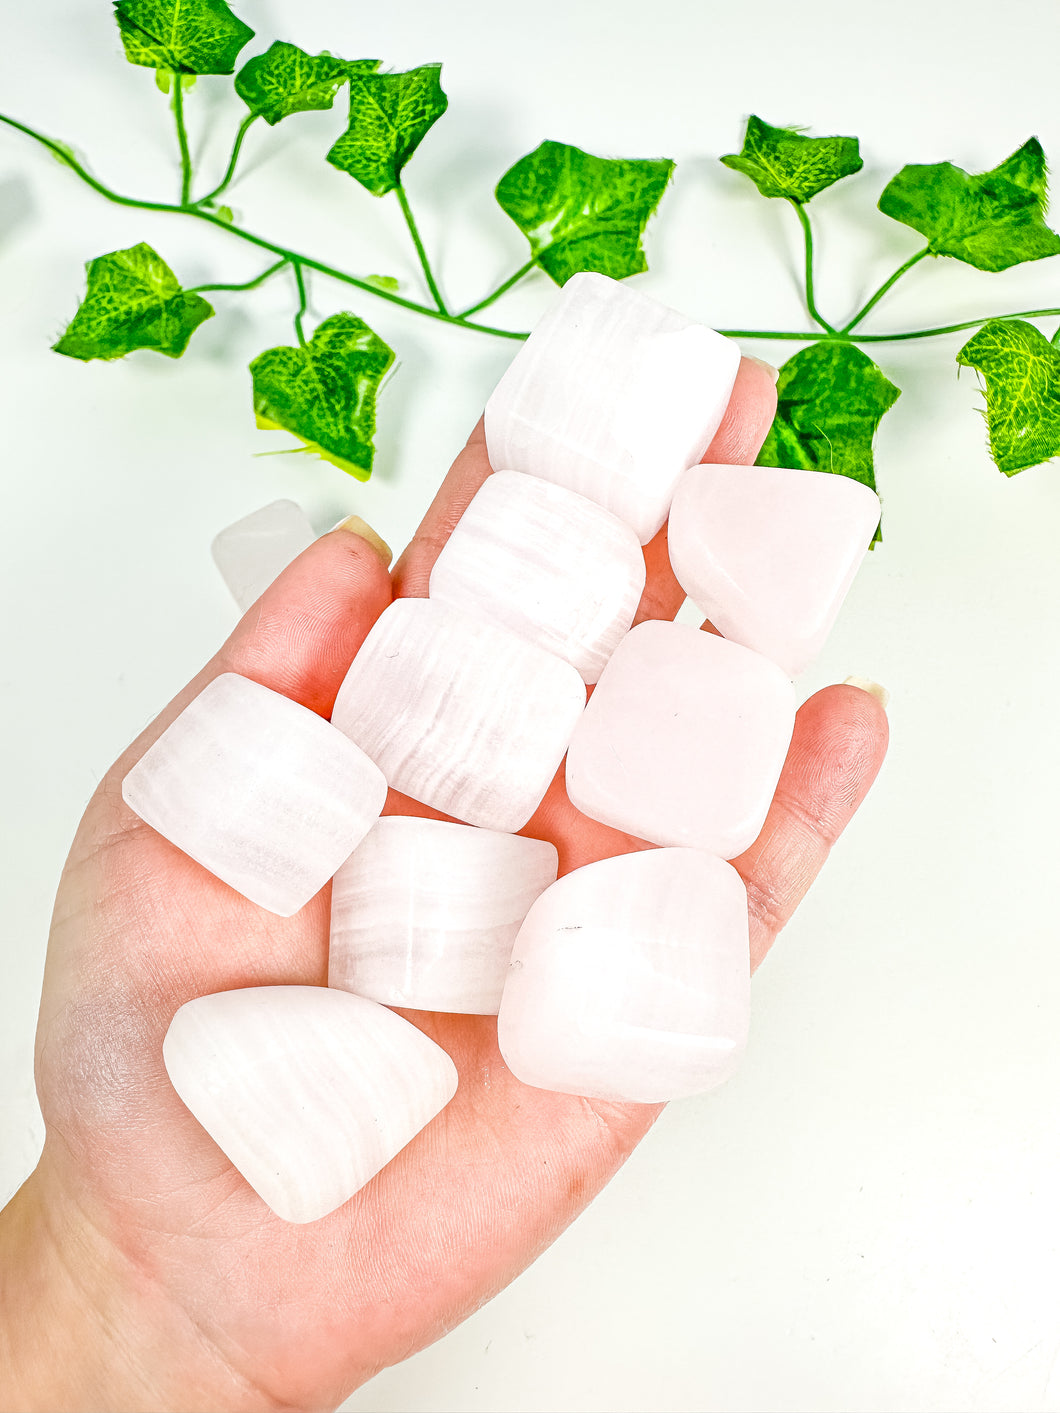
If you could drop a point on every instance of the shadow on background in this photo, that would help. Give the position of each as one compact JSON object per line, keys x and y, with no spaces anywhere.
{"x":16,"y":206}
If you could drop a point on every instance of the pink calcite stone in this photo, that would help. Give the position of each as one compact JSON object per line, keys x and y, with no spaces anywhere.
{"x":768,"y":553}
{"x":630,"y":979}
{"x":683,"y":740}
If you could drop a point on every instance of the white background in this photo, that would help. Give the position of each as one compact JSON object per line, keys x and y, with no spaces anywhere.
{"x":867,"y":1217}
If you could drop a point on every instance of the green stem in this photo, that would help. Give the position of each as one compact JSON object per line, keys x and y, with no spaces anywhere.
{"x":955,"y":328}
{"x":808,"y":240}
{"x":247,"y":284}
{"x":262,"y":244}
{"x":230,"y":170}
{"x":182,"y":139}
{"x":425,"y":264}
{"x":501,"y":289}
{"x":299,"y":280}
{"x":913,"y":260}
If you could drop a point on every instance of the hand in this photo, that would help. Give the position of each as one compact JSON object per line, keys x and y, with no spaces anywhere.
{"x":140,"y":1270}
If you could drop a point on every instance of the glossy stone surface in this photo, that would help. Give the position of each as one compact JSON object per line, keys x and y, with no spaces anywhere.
{"x":683,"y":740}
{"x":424,"y":913}
{"x":613,"y":395}
{"x":458,"y":713}
{"x":768,"y":554}
{"x":547,"y":564}
{"x":630,"y":980}
{"x":259,"y":790}
{"x":308,"y":1092}
{"x":251,"y":552}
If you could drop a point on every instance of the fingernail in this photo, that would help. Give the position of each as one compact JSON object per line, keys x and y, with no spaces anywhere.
{"x":774,"y":373}
{"x":354,"y":525}
{"x":873,"y":688}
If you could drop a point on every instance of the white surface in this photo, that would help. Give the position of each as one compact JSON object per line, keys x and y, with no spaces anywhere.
{"x":866,"y":1217}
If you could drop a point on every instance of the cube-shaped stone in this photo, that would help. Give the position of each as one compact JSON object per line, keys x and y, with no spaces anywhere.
{"x":683,"y":740}
{"x":768,"y":553}
{"x":630,"y":979}
{"x":546,"y":564}
{"x":251,"y":552}
{"x":458,"y":713}
{"x":424,"y":913}
{"x":308,"y":1092}
{"x":259,"y":790}
{"x":613,"y":395}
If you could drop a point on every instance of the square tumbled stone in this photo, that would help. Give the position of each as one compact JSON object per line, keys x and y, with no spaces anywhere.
{"x":613,"y":395}
{"x":683,"y":740}
{"x":424,"y":913}
{"x":251,"y":552}
{"x":630,"y":980}
{"x":308,"y":1092}
{"x":547,"y":564}
{"x":259,"y":790}
{"x":768,"y":553}
{"x":458,"y":713}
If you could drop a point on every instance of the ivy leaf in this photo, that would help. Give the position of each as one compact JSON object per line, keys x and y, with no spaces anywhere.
{"x":286,"y":80}
{"x":186,"y":36}
{"x":325,"y":393}
{"x":581,"y":212}
{"x":133,"y":300}
{"x":389,"y":116}
{"x":830,"y":399}
{"x":1021,"y":370}
{"x":992,"y":221}
{"x":784,"y":162}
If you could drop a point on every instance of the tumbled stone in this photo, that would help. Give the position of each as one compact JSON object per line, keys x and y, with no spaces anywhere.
{"x":424,"y":913}
{"x":630,"y":979}
{"x":308,"y":1092}
{"x":613,"y":395}
{"x":683,"y":740}
{"x":458,"y":713}
{"x":259,"y":790}
{"x":547,"y":564}
{"x":769,"y":553}
{"x":251,"y":552}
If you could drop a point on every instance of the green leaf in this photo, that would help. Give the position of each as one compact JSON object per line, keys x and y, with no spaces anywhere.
{"x":189,"y":36}
{"x":325,"y":392}
{"x":389,"y":116}
{"x":992,"y":221}
{"x":830,"y":399}
{"x":387,"y":282}
{"x":784,"y":162}
{"x":1021,"y":370}
{"x":581,"y":212}
{"x":133,"y":301}
{"x":286,"y":80}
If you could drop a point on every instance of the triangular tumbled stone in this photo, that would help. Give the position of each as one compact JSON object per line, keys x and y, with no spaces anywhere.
{"x":768,"y":553}
{"x":307,"y":1091}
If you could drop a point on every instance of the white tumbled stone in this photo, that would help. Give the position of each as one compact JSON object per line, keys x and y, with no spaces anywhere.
{"x":768,"y":553}
{"x":259,"y":790}
{"x":683,"y":740}
{"x":613,"y":395}
{"x":630,"y":979}
{"x":547,"y":564}
{"x":308,"y":1092}
{"x":458,"y":713}
{"x":424,"y":913}
{"x":251,"y":552}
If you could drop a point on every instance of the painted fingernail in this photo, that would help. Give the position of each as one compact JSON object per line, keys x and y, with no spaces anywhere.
{"x":354,"y":525}
{"x":774,"y":373}
{"x":873,"y":688}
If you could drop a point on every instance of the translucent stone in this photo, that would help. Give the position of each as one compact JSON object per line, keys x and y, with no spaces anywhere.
{"x":613,"y":395}
{"x":424,"y":913}
{"x":630,"y":980}
{"x":259,"y":790}
{"x":768,"y":554}
{"x":683,"y":740}
{"x":547,"y":564}
{"x":308,"y":1092}
{"x":251,"y":552}
{"x":458,"y":713}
